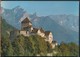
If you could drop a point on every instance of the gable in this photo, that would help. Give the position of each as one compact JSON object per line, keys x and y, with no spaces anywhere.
{"x":47,"y":33}
{"x":26,"y":20}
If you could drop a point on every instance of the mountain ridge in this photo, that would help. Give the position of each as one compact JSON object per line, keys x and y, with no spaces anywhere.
{"x":47,"y":22}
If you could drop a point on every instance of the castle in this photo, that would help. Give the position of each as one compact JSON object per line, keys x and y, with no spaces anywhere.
{"x":27,"y":30}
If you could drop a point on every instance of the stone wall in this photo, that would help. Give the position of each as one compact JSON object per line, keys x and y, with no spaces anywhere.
{"x":50,"y":37}
{"x":23,"y":25}
{"x":25,"y":33}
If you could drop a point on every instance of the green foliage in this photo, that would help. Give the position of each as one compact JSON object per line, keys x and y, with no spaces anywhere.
{"x":18,"y":45}
{"x":49,"y":48}
{"x":7,"y":49}
{"x":67,"y":49}
{"x":74,"y":48}
{"x":35,"y":45}
{"x":29,"y":46}
{"x":6,"y":46}
{"x":42,"y":46}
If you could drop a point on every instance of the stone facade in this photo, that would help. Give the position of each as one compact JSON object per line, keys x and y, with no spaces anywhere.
{"x":54,"y":44}
{"x":25,"y":33}
{"x":26,"y":24}
{"x":42,"y":34}
{"x":48,"y":36}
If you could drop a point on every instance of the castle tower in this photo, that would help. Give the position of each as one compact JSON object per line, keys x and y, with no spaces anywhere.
{"x":26,"y":25}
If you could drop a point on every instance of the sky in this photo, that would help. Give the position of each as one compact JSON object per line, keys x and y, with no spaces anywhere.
{"x":44,"y":8}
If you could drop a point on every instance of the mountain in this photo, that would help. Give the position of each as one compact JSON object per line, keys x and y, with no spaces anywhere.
{"x":60,"y":33}
{"x":71,"y":21}
{"x":18,"y":14}
{"x":12,"y":16}
{"x":64,"y":27}
{"x":5,"y":27}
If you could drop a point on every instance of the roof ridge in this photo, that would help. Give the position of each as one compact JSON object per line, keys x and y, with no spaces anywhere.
{"x":25,"y":20}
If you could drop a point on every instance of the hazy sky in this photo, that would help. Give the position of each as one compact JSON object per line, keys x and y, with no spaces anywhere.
{"x":43,"y":8}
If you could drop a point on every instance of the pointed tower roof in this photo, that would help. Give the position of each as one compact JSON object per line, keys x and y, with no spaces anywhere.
{"x":26,"y":20}
{"x":47,"y":33}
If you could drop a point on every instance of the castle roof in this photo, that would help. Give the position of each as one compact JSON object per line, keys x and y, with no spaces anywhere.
{"x":26,"y":20}
{"x":35,"y":30}
{"x":42,"y":30}
{"x":47,"y":33}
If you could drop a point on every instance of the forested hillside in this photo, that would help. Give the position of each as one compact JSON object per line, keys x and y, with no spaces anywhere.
{"x":33,"y":45}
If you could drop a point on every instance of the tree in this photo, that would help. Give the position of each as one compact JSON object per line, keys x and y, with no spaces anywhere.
{"x":74,"y":49}
{"x":49,"y":48}
{"x":7,"y":49}
{"x":18,"y":45}
{"x":68,"y":49}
